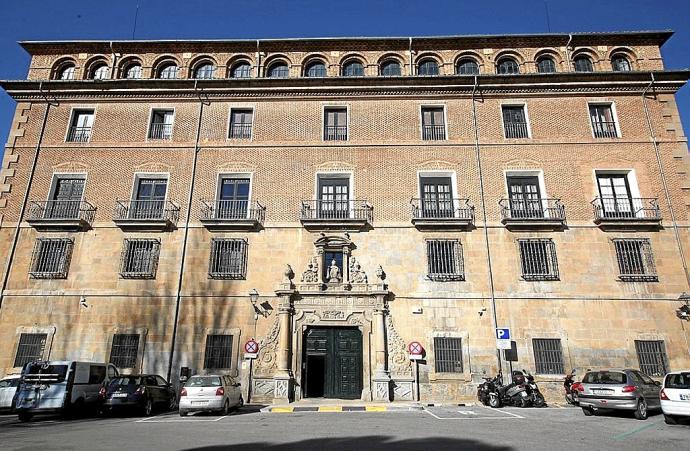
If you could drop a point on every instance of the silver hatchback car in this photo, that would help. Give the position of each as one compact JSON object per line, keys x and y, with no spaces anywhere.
{"x":210,"y":393}
{"x":619,"y":389}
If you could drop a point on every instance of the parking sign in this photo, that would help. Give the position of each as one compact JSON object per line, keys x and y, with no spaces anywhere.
{"x":503,"y":333}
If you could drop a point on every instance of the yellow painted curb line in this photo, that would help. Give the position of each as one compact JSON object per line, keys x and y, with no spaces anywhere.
{"x":331,"y":409}
{"x":282,"y":410}
{"x":375,"y":408}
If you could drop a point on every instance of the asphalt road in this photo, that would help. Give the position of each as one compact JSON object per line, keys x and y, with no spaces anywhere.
{"x":437,"y":428}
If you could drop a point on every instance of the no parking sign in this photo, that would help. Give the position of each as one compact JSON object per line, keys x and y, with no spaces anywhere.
{"x":251,"y":349}
{"x":416,"y":350}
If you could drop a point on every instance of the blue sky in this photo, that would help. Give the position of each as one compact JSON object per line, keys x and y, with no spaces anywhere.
{"x":228,"y":19}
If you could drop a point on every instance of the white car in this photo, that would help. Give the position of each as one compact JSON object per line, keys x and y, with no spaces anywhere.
{"x":210,"y":393}
{"x":675,"y":396}
{"x":8,"y":388}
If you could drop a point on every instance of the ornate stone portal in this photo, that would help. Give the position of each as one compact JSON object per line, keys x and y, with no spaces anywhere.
{"x":331,"y":298}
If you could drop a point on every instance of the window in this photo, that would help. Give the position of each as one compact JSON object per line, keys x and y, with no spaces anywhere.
{"x":168,"y":71}
{"x":335,"y":124}
{"x":616,"y":199}
{"x":524,"y":199}
{"x":124,"y":351}
{"x":353,"y":69}
{"x":467,"y":66}
{"x":538,"y":259}
{"x":390,"y":68}
{"x":333,"y":197}
{"x":133,"y":71}
{"x":100,"y":71}
{"x":548,"y":356}
{"x":65,"y":198}
{"x":427,"y":67}
{"x":96,"y":374}
{"x":161,"y":124}
{"x":218,"y":353}
{"x":444,"y":260}
{"x":30,"y":348}
{"x":233,"y":198}
{"x":66,"y":72}
{"x":204,"y":71}
{"x":448,"y":355}
{"x":149,"y":199}
{"x":139,"y":258}
{"x":241,"y":70}
{"x":278,"y":70}
{"x":51,"y":258}
{"x":603,"y":120}
{"x":436,"y":197}
{"x":315,"y":69}
{"x":546,"y":65}
{"x":433,"y":124}
{"x":80,"y":127}
{"x":652,"y":357}
{"x":635,"y":259}
{"x":583,"y":64}
{"x":228,"y":259}
{"x":515,"y":122}
{"x":241,"y":123}
{"x":507,"y":66}
{"x":620,"y":63}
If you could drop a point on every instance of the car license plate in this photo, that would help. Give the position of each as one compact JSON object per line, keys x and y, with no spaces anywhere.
{"x":119,"y":395}
{"x":684,"y":397}
{"x":601,"y":392}
{"x":198,"y":402}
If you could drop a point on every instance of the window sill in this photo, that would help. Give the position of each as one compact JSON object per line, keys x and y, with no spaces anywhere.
{"x":454,"y":377}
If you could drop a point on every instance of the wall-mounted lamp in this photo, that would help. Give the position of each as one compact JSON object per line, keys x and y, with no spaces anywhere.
{"x":254,"y":298}
{"x":82,"y":302}
{"x":683,"y":312}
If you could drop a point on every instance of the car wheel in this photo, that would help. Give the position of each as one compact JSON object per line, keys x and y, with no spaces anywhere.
{"x":641,"y":411}
{"x":24,"y":417}
{"x":539,"y":401}
{"x":240,"y":404}
{"x":173,"y":404}
{"x":588,"y":411}
{"x":669,"y":419}
{"x":148,"y":407}
{"x":226,"y":408}
{"x":524,"y":402}
{"x":494,"y":402}
{"x":183,"y":413}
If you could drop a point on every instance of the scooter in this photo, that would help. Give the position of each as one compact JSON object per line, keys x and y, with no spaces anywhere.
{"x":513,"y":394}
{"x":571,"y":389}
{"x":487,"y":393}
{"x":535,"y":395}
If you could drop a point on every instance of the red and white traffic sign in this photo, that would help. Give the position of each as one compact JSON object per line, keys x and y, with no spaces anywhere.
{"x":415,"y":348}
{"x":251,"y":346}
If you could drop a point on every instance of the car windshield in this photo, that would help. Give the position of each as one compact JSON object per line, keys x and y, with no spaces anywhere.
{"x":43,"y":371}
{"x":203,"y":381}
{"x":605,"y":377}
{"x":681,"y":380}
{"x":127,"y":380}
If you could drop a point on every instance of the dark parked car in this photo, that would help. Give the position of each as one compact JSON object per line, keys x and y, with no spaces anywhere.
{"x":142,"y":392}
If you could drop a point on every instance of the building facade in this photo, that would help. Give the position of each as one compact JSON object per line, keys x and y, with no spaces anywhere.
{"x":164,"y":202}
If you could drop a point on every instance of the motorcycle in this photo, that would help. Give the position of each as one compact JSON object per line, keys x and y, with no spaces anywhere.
{"x":487,"y":393}
{"x":535,"y":396}
{"x":571,"y":389}
{"x":513,"y":394}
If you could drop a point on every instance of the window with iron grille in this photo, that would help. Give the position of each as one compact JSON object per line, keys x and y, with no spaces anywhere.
{"x":538,"y":259}
{"x":335,"y":124}
{"x":51,"y":258}
{"x":228,"y":259}
{"x":635,"y":259}
{"x":515,"y":121}
{"x":433,"y":124}
{"x":548,"y":356}
{"x":30,"y":348}
{"x":448,"y":354}
{"x":139,"y":258}
{"x":218,"y":353}
{"x":241,"y":123}
{"x":123,"y":353}
{"x":652,"y":357}
{"x":444,"y":260}
{"x":603,"y":120}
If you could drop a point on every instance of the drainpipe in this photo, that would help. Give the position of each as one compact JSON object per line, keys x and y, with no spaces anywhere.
{"x":258,"y":59}
{"x":486,"y":224}
{"x":411,"y":62}
{"x":114,"y":60}
{"x":178,"y":296}
{"x":652,"y":136}
{"x":25,"y":201}
{"x":567,"y":51}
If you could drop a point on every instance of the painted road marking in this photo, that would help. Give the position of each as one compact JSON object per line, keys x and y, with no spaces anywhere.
{"x":282,"y":409}
{"x":376,"y":408}
{"x":635,"y":431}
{"x":170,"y":419}
{"x":466,"y":415}
{"x":330,"y":409}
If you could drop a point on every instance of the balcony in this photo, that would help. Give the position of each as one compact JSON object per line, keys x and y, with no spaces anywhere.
{"x":240,"y":131}
{"x":604,"y":129}
{"x":335,"y":133}
{"x":232,"y":214}
{"x":61,"y":214}
{"x":516,"y":130}
{"x":532,"y":213}
{"x":626,"y":212}
{"x":79,"y":134}
{"x":433,"y":132}
{"x":336,"y":214}
{"x":451,"y":213}
{"x":161,"y":131}
{"x":146,"y":214}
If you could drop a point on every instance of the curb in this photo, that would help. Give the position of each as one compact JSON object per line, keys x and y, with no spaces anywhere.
{"x":341,"y":408}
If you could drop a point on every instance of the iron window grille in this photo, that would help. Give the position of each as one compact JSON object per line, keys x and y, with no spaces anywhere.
{"x":218,"y":354}
{"x":30,"y":348}
{"x":538,"y":259}
{"x":548,"y":356}
{"x":444,"y":260}
{"x":139,"y":258}
{"x":51,"y":258}
{"x":448,"y":355}
{"x":635,"y":260}
{"x":228,"y":259}
{"x":241,"y":123}
{"x":123,"y":353}
{"x":515,"y":122}
{"x":652,"y":357}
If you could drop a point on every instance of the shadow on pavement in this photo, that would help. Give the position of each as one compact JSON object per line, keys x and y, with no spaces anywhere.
{"x":374,"y":442}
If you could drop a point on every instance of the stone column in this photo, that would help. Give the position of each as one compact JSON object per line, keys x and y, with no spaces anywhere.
{"x":283,"y":376}
{"x":381,"y":377}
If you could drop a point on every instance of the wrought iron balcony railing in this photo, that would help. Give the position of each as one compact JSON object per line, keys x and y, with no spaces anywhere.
{"x":146,"y":211}
{"x":626,"y":209}
{"x":160,"y":131}
{"x":232,"y":211}
{"x":532,"y":210}
{"x":448,"y":209}
{"x":335,"y":133}
{"x":342,"y":210}
{"x":604,"y":129}
{"x":433,"y":132}
{"x":61,"y":211}
{"x":240,"y":131}
{"x":79,"y":134}
{"x":516,"y":130}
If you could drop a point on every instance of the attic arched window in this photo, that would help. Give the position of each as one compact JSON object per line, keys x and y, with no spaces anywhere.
{"x":353,"y":69}
{"x":427,"y":67}
{"x":167,"y":71}
{"x":278,"y":70}
{"x":204,"y":71}
{"x":241,"y":70}
{"x":583,"y":64}
{"x":66,"y":72}
{"x":100,"y":71}
{"x":507,"y":66}
{"x":133,"y":71}
{"x":315,"y":69}
{"x":546,"y":65}
{"x":620,"y":63}
{"x":390,"y":68}
{"x":467,"y":66}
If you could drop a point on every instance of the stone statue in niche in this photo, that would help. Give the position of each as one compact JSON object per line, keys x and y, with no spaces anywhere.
{"x":334,"y":273}
{"x":311,"y":275}
{"x":356,"y":273}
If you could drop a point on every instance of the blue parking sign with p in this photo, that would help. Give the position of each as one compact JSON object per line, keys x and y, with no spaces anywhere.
{"x":503,"y":333}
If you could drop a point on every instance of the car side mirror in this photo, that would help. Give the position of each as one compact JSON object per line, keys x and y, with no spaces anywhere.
{"x":657,"y":383}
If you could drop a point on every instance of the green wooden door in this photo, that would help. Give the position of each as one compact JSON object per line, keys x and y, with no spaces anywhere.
{"x":333,"y":362}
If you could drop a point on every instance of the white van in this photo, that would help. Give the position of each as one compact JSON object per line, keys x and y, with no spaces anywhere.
{"x":60,"y":386}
